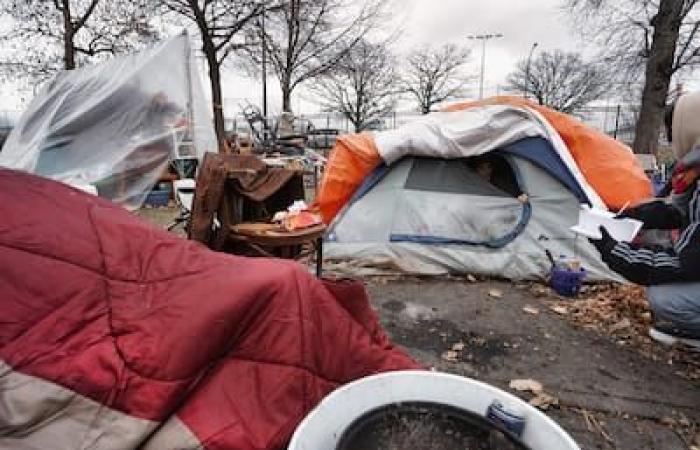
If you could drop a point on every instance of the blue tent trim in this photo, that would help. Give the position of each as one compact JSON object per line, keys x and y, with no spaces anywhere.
{"x":540,"y":152}
{"x":370,"y":182}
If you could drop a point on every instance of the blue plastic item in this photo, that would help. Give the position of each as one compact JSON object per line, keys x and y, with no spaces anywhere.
{"x":658,"y":186}
{"x":567,"y":282}
{"x":158,"y":198}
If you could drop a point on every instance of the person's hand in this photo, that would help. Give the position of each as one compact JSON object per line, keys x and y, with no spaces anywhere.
{"x":606,"y":243}
{"x":629,"y":213}
{"x":637,"y":211}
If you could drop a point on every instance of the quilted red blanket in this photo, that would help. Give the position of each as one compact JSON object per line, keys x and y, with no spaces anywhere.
{"x":117,"y":335}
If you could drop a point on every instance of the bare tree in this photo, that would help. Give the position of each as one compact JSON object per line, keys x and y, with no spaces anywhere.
{"x":49,"y":35}
{"x":218,"y":22}
{"x":435,"y":75}
{"x":362,"y":86}
{"x":653,"y":39}
{"x":559,"y":80}
{"x":305,"y":39}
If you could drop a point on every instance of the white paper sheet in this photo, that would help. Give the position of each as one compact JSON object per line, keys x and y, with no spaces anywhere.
{"x":590,"y":221}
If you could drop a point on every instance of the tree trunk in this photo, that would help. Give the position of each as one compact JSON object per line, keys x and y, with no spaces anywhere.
{"x":68,"y":51}
{"x":659,"y":70}
{"x":68,"y":35}
{"x":357,"y":125}
{"x":216,"y":100}
{"x":286,"y":94}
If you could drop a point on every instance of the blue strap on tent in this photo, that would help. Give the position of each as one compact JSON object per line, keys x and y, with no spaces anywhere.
{"x":498,"y":242}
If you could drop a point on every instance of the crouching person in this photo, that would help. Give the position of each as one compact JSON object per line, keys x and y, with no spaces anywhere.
{"x":671,"y":274}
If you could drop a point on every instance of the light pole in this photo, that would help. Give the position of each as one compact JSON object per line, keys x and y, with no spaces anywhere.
{"x":483,"y":38}
{"x":527,"y":67}
{"x":264,"y":64}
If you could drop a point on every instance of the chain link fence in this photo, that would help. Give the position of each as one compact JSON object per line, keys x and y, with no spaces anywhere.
{"x":615,"y":120}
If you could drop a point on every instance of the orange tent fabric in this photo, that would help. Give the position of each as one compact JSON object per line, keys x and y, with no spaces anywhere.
{"x":608,"y":165}
{"x":353,"y":157}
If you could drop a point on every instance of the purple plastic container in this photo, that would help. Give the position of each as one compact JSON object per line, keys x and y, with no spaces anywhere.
{"x":567,"y":282}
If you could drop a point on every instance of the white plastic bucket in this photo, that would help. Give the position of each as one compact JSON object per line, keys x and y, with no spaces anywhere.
{"x":324,"y":426}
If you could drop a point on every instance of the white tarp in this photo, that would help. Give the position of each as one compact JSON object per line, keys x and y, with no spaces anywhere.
{"x":115,"y":126}
{"x":473,"y":132}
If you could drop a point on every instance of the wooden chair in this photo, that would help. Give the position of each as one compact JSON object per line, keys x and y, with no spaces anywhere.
{"x":217,"y":199}
{"x":270,"y":241}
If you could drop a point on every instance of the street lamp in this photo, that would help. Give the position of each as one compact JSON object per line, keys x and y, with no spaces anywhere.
{"x":527,"y":67}
{"x":483,"y":38}
{"x":264,"y":63}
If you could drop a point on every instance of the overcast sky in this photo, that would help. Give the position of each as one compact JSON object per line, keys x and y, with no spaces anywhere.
{"x":436,"y":22}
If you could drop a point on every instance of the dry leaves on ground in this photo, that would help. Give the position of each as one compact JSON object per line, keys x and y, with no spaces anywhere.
{"x":450,"y":356}
{"x":622,"y":311}
{"x":531,"y":310}
{"x":458,"y":346}
{"x":560,"y":309}
{"x":526,"y":385}
{"x":541,"y":399}
{"x":496,"y":293}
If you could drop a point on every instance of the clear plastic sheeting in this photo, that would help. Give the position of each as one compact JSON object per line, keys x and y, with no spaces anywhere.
{"x":114,"y":127}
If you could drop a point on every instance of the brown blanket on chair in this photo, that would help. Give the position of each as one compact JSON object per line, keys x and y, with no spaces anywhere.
{"x":258,"y":186}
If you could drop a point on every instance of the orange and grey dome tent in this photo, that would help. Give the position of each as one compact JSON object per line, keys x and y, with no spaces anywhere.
{"x":415,"y":200}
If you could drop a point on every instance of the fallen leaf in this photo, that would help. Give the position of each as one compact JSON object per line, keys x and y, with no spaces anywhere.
{"x":621,"y":325}
{"x":560,"y":309}
{"x":543,"y":401}
{"x":496,"y":293}
{"x":450,"y":356}
{"x":531,"y":310}
{"x":458,"y":346}
{"x":668,"y":421}
{"x":524,"y":385}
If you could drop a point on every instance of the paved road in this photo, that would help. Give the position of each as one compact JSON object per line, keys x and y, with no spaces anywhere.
{"x":632,"y":398}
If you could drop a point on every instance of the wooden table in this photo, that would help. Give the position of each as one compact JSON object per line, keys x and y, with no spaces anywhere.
{"x":260,"y":235}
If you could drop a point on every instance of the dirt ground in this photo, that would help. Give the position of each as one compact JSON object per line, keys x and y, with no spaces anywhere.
{"x":607,"y":389}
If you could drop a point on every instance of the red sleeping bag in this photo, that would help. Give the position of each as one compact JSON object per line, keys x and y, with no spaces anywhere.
{"x":118,"y":335}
